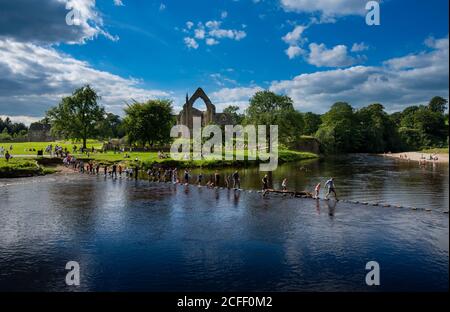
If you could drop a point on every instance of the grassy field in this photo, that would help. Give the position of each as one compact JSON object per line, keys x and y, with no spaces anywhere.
{"x":25,"y":156}
{"x":31,"y":148}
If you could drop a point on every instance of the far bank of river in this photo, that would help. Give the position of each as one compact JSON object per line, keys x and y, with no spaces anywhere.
{"x":420,"y":156}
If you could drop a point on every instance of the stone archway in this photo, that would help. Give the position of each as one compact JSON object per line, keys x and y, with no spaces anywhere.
{"x":189,"y":111}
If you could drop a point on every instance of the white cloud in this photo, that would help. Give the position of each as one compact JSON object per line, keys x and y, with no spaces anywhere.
{"x":44,"y":22}
{"x":410,"y":80}
{"x":118,"y":3}
{"x":199,"y":33}
{"x":189,"y":24}
{"x":211,"y":31}
{"x":399,"y":82}
{"x":338,"y":56}
{"x":191,"y":43}
{"x":359,"y":47}
{"x":233,"y":96}
{"x":34,"y":78}
{"x":294,"y":51}
{"x":162,"y":7}
{"x":211,"y":41}
{"x":27,"y":120}
{"x":295,"y":36}
{"x":224,"y":14}
{"x":326,"y":7}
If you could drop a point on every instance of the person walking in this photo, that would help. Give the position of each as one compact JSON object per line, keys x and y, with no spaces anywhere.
{"x":186,"y":176}
{"x":114,"y":171}
{"x":236,"y":180}
{"x":265,"y":184}
{"x":331,"y":189}
{"x":284,"y":184}
{"x":216,"y":178}
{"x":317,"y":190}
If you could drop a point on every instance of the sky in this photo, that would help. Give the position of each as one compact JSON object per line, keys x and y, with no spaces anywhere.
{"x":317,"y":52}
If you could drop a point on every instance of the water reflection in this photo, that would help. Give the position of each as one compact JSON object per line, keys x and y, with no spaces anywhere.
{"x":363,"y":178}
{"x":141,"y":235}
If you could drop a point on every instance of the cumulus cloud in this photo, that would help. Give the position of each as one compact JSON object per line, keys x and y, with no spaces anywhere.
{"x":337,"y":56}
{"x":294,"y":51}
{"x":295,"y":40}
{"x":294,"y":37}
{"x":44,"y":21}
{"x":211,"y":41}
{"x":233,"y":96}
{"x":327,"y":8}
{"x":34,"y":78}
{"x":118,"y":3}
{"x":399,"y":82}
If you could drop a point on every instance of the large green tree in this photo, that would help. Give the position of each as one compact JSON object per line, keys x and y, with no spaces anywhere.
{"x":78,"y":115}
{"x":149,"y":122}
{"x":438,"y":104}
{"x":378,"y":132}
{"x":312,"y":123}
{"x":339,"y":131}
{"x":268,"y":108}
{"x":233,"y":112}
{"x":111,"y":126}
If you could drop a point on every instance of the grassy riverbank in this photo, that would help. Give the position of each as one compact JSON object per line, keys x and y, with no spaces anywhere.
{"x":26,"y":163}
{"x":21,"y":167}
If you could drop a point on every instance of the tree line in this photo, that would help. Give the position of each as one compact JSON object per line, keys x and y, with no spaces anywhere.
{"x":342,"y":129}
{"x":12,"y":130}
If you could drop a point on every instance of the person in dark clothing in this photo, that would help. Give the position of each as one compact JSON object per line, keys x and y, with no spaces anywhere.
{"x":114,"y":171}
{"x":216,"y":178}
{"x":236,"y":180}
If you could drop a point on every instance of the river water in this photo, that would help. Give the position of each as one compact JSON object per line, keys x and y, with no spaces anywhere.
{"x":147,"y":236}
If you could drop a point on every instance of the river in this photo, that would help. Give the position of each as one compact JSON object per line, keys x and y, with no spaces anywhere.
{"x":132,"y":235}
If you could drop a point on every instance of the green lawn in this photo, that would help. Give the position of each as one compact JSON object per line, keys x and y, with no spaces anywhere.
{"x":25,"y":148}
{"x":24,"y":160}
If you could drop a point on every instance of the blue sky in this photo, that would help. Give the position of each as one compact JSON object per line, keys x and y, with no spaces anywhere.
{"x":317,"y":52}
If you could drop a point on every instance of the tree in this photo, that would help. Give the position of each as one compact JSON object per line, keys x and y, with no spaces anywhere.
{"x":111,"y":127}
{"x":423,"y":126}
{"x":232,"y":111}
{"x":149,"y":122}
{"x":438,"y":104}
{"x":339,"y":132}
{"x":378,"y":131}
{"x":78,"y":115}
{"x":312,"y":122}
{"x":12,"y":128}
{"x":267,"y":108}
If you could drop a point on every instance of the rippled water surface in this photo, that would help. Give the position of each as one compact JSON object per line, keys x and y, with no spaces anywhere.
{"x":140,"y":235}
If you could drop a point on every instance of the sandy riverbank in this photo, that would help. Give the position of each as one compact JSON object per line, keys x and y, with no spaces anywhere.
{"x":417,"y":156}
